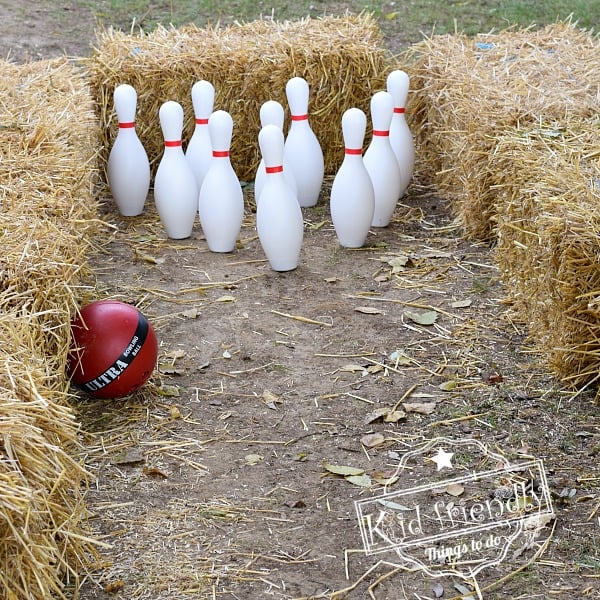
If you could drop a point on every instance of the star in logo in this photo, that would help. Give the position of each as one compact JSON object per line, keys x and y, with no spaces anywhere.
{"x":443,"y":459}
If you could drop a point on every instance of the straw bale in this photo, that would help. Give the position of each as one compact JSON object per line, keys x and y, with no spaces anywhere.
{"x":47,"y":217}
{"x":342,"y":58}
{"x":548,"y":250}
{"x":468,"y":91}
{"x":507,"y":126}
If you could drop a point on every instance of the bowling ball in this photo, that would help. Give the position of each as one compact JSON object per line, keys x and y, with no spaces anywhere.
{"x":114,"y":349}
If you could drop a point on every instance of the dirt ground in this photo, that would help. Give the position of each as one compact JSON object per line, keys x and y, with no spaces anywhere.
{"x":213,"y":480}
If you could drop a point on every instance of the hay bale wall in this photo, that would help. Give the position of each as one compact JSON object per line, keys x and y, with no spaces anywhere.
{"x":507,"y":125}
{"x":342,"y":58}
{"x":470,"y":91}
{"x":548,"y":228}
{"x":47,"y":211}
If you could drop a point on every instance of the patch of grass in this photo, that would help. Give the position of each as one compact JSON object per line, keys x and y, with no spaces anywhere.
{"x":583,"y":549}
{"x":336,"y":255}
{"x":471,"y":17}
{"x":278,"y":367}
{"x":525,"y":584}
{"x":588,"y":555}
{"x":407,"y":20}
{"x":480,"y":286}
{"x":586,"y":13}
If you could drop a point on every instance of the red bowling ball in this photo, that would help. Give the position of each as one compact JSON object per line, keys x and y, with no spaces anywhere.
{"x":114,"y":349}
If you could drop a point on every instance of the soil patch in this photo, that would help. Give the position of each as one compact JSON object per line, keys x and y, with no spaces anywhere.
{"x":213,"y":481}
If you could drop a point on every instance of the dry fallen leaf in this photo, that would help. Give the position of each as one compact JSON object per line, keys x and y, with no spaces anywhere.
{"x":225,"y":299}
{"x":130,"y":457}
{"x":538,"y":522}
{"x":270,"y":399}
{"x":167,"y":362}
{"x":399,"y":358}
{"x":353,"y":368}
{"x":385,"y":478}
{"x":464,"y":590}
{"x":145,"y":238}
{"x":394,"y":416}
{"x":294,"y":504}
{"x":447,"y":386}
{"x":370,"y":440}
{"x":341,"y":470}
{"x":360,"y":480}
{"x":148,"y":258}
{"x":378,"y":413}
{"x":316,"y":226}
{"x":492,"y":377}
{"x":462,"y":303}
{"x":423,"y":408}
{"x":174,"y":354}
{"x":369,"y":310}
{"x":398,"y":263}
{"x":154,"y":472}
{"x":393,"y":505}
{"x":386,"y":414}
{"x":253,"y":459}
{"x":168,"y":391}
{"x":455,"y":489}
{"x":565,"y":493}
{"x":114,"y":586}
{"x":423,"y":318}
{"x":174,"y":412}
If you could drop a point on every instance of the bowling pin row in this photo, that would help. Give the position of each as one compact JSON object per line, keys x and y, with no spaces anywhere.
{"x":202,"y":181}
{"x":366,"y":189}
{"x":207,"y":155}
{"x":179,"y":190}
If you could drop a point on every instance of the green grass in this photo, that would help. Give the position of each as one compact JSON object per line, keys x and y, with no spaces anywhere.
{"x":471,"y":17}
{"x":405,"y":20}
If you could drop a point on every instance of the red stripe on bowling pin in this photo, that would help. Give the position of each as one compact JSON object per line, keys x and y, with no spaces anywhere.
{"x":201,"y":121}
{"x":299,"y":117}
{"x":220,"y":153}
{"x":381,"y":132}
{"x":353,"y":150}
{"x":399,"y":109}
{"x":278,"y":169}
{"x":172,"y":143}
{"x":127,"y":125}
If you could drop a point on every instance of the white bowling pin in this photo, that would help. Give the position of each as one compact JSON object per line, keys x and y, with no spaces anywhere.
{"x":279,"y":220}
{"x":401,"y":137}
{"x":302,"y":150}
{"x":221,"y":200}
{"x":272,"y":113}
{"x":352,"y":202}
{"x":128,"y":169}
{"x":199,"y":150}
{"x":380,"y":160}
{"x":175,"y":188}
